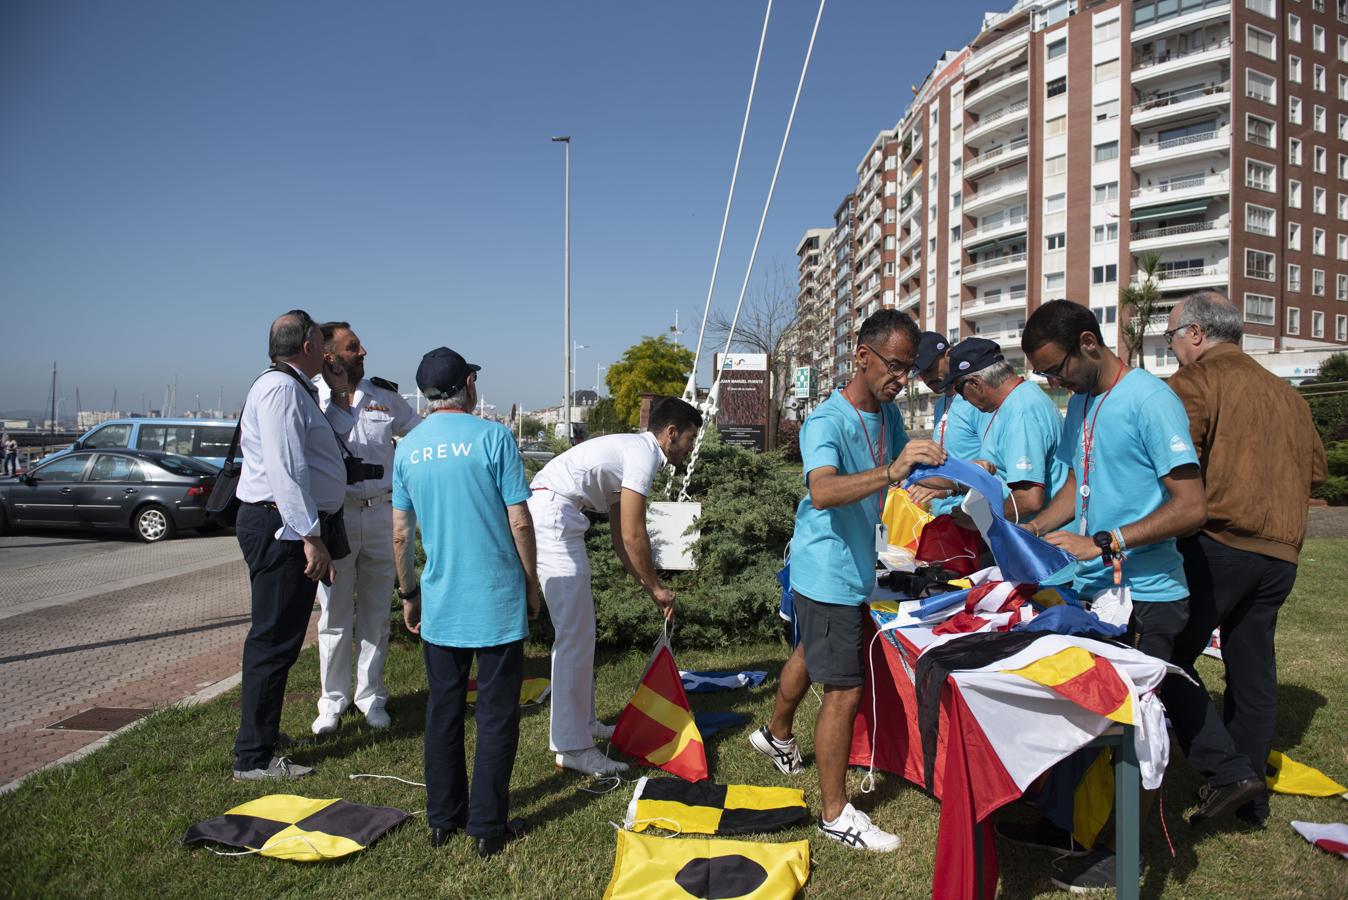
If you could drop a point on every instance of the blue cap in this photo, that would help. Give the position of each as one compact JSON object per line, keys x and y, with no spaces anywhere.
{"x":971,"y":355}
{"x":930,"y":347}
{"x":443,"y":373}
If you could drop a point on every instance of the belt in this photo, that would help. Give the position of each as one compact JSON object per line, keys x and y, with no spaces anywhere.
{"x":367,"y":502}
{"x":268,"y":504}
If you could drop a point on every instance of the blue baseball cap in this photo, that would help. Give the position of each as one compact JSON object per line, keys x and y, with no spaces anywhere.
{"x":443,"y":373}
{"x":930,"y":347}
{"x":971,"y":355}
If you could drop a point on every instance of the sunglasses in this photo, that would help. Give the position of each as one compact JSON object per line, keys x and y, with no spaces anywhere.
{"x":1055,"y":371}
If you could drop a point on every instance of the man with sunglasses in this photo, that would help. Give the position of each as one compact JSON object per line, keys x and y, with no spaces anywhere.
{"x":1241,"y":566}
{"x":854,"y":447}
{"x":957,"y":425}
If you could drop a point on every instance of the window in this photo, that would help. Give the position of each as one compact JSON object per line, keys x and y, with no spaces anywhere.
{"x":1294,"y":69}
{"x":1341,"y":282}
{"x":1056,"y":86}
{"x":1258,"y":131}
{"x":955,"y":234}
{"x":1106,"y":30}
{"x":1293,"y":320}
{"x":1318,"y":78}
{"x":166,"y":438}
{"x":956,"y":199}
{"x":1055,"y":203}
{"x":1105,"y":274}
{"x":109,"y":436}
{"x":1260,"y":86}
{"x":1106,"y":70}
{"x":63,"y":469}
{"x":1343,"y":206}
{"x":1342,"y":252}
{"x":1294,"y":110}
{"x":1055,"y":49}
{"x":1293,"y":152}
{"x":1259,"y":309}
{"x":1318,"y":38}
{"x":1318,"y":287}
{"x":1259,"y":42}
{"x":1341,"y":328}
{"x":1318,"y":241}
{"x":1343,"y":48}
{"x":1343,"y":87}
{"x":1055,"y":241}
{"x":1343,"y":166}
{"x":1106,"y":192}
{"x":1294,"y":28}
{"x":115,"y":468}
{"x":1293,"y":236}
{"x":1294,"y":193}
{"x":1259,"y":264}
{"x":1054,"y":281}
{"x":1294,"y":278}
{"x":1055,"y":165}
{"x":1106,"y":111}
{"x":1343,"y":127}
{"x":1104,"y":233}
{"x":1263,"y":7}
{"x":1259,"y":175}
{"x":1318,"y":119}
{"x":1318,"y":196}
{"x":1107,"y":151}
{"x":1259,"y":219}
{"x":1055,"y":126}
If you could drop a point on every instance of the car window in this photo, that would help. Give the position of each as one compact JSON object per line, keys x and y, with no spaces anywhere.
{"x":185,"y":465}
{"x":108,"y":467}
{"x":166,"y":438}
{"x":109,"y":437}
{"x":62,"y":469}
{"x":213,"y":440}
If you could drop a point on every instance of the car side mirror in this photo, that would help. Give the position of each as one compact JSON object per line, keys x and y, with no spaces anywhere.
{"x":28,"y":479}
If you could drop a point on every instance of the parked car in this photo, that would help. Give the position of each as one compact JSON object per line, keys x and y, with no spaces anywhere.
{"x":153,"y":494}
{"x":536,"y":450}
{"x":203,"y":439}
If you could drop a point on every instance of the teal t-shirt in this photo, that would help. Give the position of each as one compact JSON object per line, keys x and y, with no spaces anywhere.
{"x":833,"y":550}
{"x":458,"y":473}
{"x":1022,"y":439}
{"x":1141,"y":433}
{"x":959,"y":429}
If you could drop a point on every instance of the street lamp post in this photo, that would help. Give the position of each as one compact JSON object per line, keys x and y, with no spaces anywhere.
{"x":597,"y":370}
{"x":576,"y":347}
{"x":566,"y":293}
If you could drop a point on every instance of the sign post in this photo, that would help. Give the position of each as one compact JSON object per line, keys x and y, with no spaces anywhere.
{"x":743,"y":416}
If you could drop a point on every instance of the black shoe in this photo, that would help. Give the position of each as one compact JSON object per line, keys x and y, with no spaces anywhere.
{"x":441,"y":836}
{"x":1253,"y":814}
{"x":1041,"y":835}
{"x":1092,"y":872}
{"x":1222,"y":799}
{"x":514,"y":830}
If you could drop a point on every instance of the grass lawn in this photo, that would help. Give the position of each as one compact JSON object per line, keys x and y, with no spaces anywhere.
{"x":109,"y":824}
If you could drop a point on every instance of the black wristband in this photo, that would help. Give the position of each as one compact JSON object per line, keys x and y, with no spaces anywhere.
{"x":416,"y":592}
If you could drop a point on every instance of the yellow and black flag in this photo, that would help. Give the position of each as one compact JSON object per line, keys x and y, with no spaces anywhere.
{"x":289,"y":827}
{"x":652,"y":868}
{"x":708,"y":808}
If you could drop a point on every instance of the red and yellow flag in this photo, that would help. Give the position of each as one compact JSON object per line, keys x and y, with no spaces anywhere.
{"x":656,"y":727}
{"x":1087,"y":680}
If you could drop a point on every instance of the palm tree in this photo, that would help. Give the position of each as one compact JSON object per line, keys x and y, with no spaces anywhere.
{"x":1139,"y":300}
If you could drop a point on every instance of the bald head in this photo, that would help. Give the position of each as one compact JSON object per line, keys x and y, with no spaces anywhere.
{"x":296,"y":338}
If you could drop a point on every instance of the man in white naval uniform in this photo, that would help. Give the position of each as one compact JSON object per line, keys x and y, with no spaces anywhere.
{"x":355,"y":608}
{"x":610,"y":474}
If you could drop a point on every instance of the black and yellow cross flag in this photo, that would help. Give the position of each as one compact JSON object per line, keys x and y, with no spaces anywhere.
{"x":297,"y":828}
{"x":652,"y":868}
{"x":707,"y":808}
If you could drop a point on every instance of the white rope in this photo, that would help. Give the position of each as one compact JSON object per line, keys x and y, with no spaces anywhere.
{"x":868,"y":782}
{"x":677,"y":829}
{"x":389,"y":777}
{"x":714,"y":395}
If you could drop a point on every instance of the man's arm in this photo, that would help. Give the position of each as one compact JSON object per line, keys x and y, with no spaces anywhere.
{"x":1185,"y":511}
{"x":281,"y":436}
{"x":1194,"y":395}
{"x":635,"y":549}
{"x":404,"y":560}
{"x":1059,"y":511}
{"x":1026,"y":499}
{"x":828,"y":489}
{"x":522,"y":530}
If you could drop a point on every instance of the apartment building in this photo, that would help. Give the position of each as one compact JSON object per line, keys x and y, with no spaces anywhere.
{"x":1070,"y":144}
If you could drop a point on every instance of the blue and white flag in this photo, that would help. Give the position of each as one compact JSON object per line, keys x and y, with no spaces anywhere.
{"x":707,"y":682}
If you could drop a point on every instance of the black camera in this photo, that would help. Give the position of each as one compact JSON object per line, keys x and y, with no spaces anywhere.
{"x":358,"y":470}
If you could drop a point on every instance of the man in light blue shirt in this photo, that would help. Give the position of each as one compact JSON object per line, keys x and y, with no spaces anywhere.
{"x":957,"y":425}
{"x":462,"y":479}
{"x":854,"y":447}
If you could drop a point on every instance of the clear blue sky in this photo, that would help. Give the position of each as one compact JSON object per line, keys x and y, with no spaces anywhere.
{"x":175,"y":174}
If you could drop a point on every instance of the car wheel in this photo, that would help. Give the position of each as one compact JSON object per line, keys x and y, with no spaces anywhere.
{"x":153,"y":524}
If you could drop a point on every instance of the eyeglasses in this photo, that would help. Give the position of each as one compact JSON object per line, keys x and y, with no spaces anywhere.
{"x":1055,"y":371}
{"x":895,"y":366}
{"x":962,"y":384}
{"x":1170,"y":335}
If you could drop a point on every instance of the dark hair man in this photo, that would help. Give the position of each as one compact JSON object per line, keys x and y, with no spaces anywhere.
{"x":292,"y":483}
{"x":1133,"y":487}
{"x":855,"y":447}
{"x":956,"y":424}
{"x":461,"y":477}
{"x":353,"y":618}
{"x":1249,"y":427}
{"x":609,"y":474}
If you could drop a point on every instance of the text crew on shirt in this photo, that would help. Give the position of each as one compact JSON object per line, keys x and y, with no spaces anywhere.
{"x":439,"y":451}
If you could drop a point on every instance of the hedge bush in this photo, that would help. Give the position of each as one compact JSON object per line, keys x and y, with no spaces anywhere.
{"x":1335,"y":490}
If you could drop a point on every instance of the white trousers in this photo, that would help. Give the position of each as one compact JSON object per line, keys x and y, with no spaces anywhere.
{"x":564,"y":576}
{"x":355,"y":613}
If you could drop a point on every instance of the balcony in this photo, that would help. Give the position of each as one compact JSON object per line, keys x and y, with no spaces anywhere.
{"x":1005,"y":228}
{"x":997,"y":156}
{"x":981,"y":307}
{"x":1150,"y":239}
{"x":1002,"y":46}
{"x":1015,"y":77}
{"x":913,"y":237}
{"x":907,"y":303}
{"x":1165,"y":105}
{"x":1011,"y":114}
{"x":913,"y":268}
{"x":1188,"y":278}
{"x":1003,"y":265}
{"x":1180,"y":189}
{"x":1193,"y":13}
{"x":1006,"y":338}
{"x":989,"y":194}
{"x":1216,"y":141}
{"x":1145,"y":68}
{"x":911,"y":208}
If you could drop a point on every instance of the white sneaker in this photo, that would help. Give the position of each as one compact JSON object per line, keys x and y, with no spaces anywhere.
{"x":600,"y":732}
{"x":855,"y":829}
{"x":326,"y":723}
{"x":785,"y":755}
{"x":591,"y":762}
{"x":377,"y":717}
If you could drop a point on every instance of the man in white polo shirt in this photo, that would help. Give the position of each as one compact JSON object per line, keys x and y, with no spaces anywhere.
{"x":610,"y":474}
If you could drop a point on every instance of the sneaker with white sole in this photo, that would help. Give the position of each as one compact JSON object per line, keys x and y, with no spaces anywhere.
{"x":377,"y":717}
{"x":591,"y":762}
{"x":785,"y":755}
{"x":280,"y":769}
{"x":326,"y":723}
{"x":601,"y":732}
{"x":855,"y":829}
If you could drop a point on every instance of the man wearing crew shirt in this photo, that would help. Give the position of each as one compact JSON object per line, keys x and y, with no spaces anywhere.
{"x":293,"y":479}
{"x":957,"y":425}
{"x":1023,"y":427}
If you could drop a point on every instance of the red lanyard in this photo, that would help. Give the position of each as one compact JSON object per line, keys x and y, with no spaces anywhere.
{"x":997,"y":410}
{"x":1088,"y":444}
{"x":875,"y":457}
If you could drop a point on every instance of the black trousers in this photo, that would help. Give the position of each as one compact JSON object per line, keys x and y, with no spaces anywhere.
{"x":500,"y":672}
{"x":1154,"y":627}
{"x":283,"y":598}
{"x":1239,"y":592}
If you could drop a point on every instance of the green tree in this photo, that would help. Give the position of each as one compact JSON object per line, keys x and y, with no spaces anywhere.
{"x":604,"y":419}
{"x":654,"y":366}
{"x":1333,"y":369}
{"x":1140,"y":301}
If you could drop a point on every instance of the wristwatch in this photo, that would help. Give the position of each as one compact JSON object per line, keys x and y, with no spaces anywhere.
{"x":414,"y":594}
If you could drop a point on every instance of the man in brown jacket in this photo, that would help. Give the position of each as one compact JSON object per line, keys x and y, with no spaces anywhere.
{"x":1260,"y":456}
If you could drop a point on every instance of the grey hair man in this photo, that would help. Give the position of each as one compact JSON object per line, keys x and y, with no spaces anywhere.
{"x":1260,"y":456}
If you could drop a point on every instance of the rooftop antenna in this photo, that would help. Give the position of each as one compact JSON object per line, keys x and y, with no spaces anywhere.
{"x":675,"y":329}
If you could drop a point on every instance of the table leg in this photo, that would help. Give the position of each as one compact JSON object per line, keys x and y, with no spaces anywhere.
{"x":1126,"y":804}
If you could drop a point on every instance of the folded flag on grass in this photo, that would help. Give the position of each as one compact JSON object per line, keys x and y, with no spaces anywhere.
{"x":533,"y":690}
{"x":709,"y":808}
{"x":656,"y":726}
{"x":708,"y":682}
{"x":1287,"y":776}
{"x":708,"y":723}
{"x":1331,"y":838}
{"x":652,"y":868}
{"x":289,"y":827}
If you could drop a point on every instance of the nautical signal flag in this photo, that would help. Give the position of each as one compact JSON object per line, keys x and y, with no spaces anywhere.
{"x":652,"y":868}
{"x":656,"y":727}
{"x":297,"y":828}
{"x":707,"y":808}
{"x":1089,"y":681}
{"x":532,"y":690}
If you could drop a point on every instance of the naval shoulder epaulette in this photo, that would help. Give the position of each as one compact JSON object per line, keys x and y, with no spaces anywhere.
{"x":385,"y":384}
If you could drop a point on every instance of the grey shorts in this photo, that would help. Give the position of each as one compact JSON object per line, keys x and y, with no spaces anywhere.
{"x":831,"y":635}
